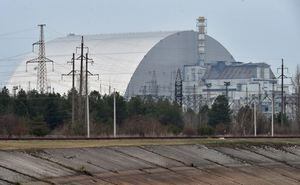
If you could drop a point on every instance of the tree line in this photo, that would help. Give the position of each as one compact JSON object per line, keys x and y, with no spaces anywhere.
{"x":35,"y":114}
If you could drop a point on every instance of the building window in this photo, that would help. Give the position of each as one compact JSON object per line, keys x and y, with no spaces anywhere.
{"x":262,"y":73}
{"x":193,"y":74}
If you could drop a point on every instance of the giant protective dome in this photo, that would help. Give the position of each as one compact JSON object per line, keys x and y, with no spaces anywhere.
{"x":124,"y":61}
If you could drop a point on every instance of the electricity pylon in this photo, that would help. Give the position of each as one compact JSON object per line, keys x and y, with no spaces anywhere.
{"x":41,"y":60}
{"x":178,"y":88}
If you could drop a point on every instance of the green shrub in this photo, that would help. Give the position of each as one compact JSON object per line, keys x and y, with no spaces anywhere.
{"x":206,"y":130}
{"x":39,"y":128}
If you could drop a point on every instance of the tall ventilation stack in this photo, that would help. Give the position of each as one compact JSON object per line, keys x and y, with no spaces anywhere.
{"x":201,"y":24}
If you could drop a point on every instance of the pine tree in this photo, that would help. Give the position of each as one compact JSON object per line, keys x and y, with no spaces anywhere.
{"x":220,"y":112}
{"x":5,"y":101}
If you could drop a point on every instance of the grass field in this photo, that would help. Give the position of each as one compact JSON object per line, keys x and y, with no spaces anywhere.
{"x":43,"y":144}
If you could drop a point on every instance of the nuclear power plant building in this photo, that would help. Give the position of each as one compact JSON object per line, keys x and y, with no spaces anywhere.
{"x":148,"y":64}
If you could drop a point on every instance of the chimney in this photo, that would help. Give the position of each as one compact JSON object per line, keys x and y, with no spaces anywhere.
{"x":201,"y":24}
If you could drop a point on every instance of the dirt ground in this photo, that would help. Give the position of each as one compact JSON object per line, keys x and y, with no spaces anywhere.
{"x":42,"y":144}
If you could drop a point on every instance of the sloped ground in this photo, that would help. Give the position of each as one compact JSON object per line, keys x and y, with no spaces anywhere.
{"x":154,"y":164}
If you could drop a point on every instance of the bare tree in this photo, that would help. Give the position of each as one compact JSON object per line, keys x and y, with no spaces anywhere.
{"x":243,"y":122}
{"x":296,"y":83}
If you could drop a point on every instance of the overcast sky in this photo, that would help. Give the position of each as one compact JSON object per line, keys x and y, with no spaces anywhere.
{"x":252,"y":30}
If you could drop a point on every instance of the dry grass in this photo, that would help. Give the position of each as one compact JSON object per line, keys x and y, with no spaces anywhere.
{"x":43,"y":144}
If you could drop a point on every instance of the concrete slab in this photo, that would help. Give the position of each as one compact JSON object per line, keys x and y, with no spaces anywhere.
{"x":187,"y":175}
{"x":11,"y":176}
{"x":278,"y":155}
{"x":113,"y":161}
{"x":4,"y":183}
{"x":150,"y":157}
{"x":152,"y":165}
{"x":293,"y":149}
{"x":79,"y":180}
{"x":269,"y":175}
{"x":286,"y":171}
{"x":185,"y":157}
{"x":77,"y":159}
{"x":206,"y":178}
{"x":237,"y":176}
{"x":200,"y":151}
{"x":35,"y":183}
{"x":94,"y":160}
{"x":156,"y":170}
{"x":154,"y":179}
{"x":246,"y":156}
{"x":32,"y":166}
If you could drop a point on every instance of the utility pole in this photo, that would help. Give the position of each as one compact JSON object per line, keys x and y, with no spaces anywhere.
{"x":87,"y":74}
{"x":247,"y":95}
{"x":259,"y":95}
{"x":81,"y":113}
{"x":100,"y":89}
{"x":29,"y":89}
{"x":282,"y":76}
{"x":282,"y":97}
{"x":83,"y":109}
{"x":115,"y":115}
{"x":73,"y":72}
{"x":298,"y":104}
{"x":87,"y":96}
{"x":81,"y":67}
{"x":194,"y":99}
{"x":226,"y":86}
{"x":81,"y":81}
{"x":41,"y":60}
{"x":272,"y":102}
{"x":273,"y":110}
{"x":208,"y":86}
{"x":254,"y":116}
{"x":73,"y":89}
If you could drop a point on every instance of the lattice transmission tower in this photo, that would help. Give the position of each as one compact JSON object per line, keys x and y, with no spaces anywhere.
{"x":178,"y":88}
{"x":41,"y":60}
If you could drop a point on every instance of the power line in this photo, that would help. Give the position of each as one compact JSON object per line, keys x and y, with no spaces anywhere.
{"x":16,"y":32}
{"x":14,"y":56}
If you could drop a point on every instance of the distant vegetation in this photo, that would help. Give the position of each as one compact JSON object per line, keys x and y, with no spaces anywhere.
{"x":32,"y":113}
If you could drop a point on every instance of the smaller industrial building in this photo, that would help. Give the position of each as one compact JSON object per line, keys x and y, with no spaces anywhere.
{"x":242,"y":83}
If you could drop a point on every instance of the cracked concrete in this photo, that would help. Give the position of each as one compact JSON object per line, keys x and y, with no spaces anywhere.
{"x":155,"y":164}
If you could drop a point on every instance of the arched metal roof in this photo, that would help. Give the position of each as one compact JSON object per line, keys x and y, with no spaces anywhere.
{"x":122,"y":60}
{"x":115,"y":56}
{"x":158,"y":68}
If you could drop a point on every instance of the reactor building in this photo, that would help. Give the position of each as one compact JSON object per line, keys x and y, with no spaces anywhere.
{"x":190,"y":67}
